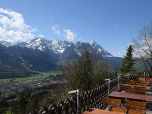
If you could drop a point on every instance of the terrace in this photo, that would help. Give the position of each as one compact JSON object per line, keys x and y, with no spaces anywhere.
{"x":122,"y":90}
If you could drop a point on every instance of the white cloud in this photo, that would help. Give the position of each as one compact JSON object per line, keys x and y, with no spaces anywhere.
{"x":42,"y":36}
{"x":70,"y":35}
{"x":9,"y":40}
{"x":2,"y":33}
{"x":54,"y":28}
{"x":13,"y":27}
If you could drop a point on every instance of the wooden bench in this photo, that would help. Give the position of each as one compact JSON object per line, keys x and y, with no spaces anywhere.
{"x":126,"y":80}
{"x":148,"y":88}
{"x":132,"y":82}
{"x":115,"y":103}
{"x":140,"y":89}
{"x":141,"y":79}
{"x":126,"y":88}
{"x":149,"y":79}
{"x":137,"y":81}
{"x":135,"y":107}
{"x":142,"y":83}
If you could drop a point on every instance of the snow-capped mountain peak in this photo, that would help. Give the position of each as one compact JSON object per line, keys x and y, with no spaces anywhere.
{"x":58,"y":46}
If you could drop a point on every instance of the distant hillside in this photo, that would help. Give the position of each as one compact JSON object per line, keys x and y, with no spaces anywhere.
{"x":20,"y":61}
{"x":41,"y":54}
{"x":114,"y":61}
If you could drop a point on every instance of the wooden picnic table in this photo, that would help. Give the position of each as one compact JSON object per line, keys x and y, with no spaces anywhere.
{"x":99,"y":111}
{"x":131,"y":96}
{"x":147,"y":87}
{"x":149,"y":79}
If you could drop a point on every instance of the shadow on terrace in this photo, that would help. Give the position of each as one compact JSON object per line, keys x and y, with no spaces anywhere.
{"x":121,"y":92}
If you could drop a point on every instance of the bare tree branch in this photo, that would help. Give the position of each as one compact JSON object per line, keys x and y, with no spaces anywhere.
{"x":143,"y":45}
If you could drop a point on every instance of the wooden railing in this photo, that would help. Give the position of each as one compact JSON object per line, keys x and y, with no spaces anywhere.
{"x":89,"y":99}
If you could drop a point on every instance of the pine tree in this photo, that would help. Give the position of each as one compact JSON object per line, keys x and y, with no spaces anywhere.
{"x":128,"y":62}
{"x":22,"y":101}
{"x":35,"y":103}
{"x":101,"y":72}
{"x":79,"y":75}
{"x":9,"y":112}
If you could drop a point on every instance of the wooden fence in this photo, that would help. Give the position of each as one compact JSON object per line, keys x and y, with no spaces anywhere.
{"x":133,"y":77}
{"x":89,"y":99}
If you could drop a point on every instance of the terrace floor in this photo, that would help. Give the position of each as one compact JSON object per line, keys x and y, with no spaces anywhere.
{"x":148,"y":111}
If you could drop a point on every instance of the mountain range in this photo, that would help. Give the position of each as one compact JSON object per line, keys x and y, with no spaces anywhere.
{"x":57,"y":46}
{"x":41,"y":54}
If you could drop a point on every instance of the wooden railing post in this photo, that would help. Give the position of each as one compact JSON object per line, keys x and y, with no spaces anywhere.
{"x":108,"y":85}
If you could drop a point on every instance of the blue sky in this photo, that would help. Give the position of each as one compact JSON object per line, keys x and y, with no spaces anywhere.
{"x":111,"y":23}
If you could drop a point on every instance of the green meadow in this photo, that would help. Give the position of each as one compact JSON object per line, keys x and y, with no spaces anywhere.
{"x":40,"y":75}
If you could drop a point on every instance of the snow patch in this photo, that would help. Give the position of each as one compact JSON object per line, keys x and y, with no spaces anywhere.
{"x":109,"y":56}
{"x":40,"y":48}
{"x":60,"y":51}
{"x":79,"y":53}
{"x":99,"y":49}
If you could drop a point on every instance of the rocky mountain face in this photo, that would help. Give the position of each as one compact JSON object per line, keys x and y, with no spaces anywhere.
{"x":58,"y":47}
{"x":23,"y":57}
{"x":42,"y":54}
